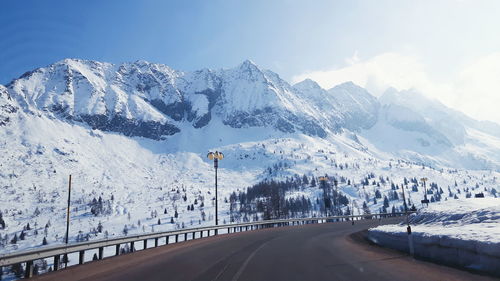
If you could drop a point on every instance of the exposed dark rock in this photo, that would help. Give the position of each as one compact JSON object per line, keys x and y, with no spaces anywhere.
{"x":283,"y":121}
{"x":175,"y":110}
{"x":129,"y":127}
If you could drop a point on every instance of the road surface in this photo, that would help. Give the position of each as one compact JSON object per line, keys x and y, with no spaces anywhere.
{"x":308,"y":252}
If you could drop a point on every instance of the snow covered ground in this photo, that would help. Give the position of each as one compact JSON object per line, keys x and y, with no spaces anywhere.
{"x":463,"y":232}
{"x":142,"y":182}
{"x":133,"y":174}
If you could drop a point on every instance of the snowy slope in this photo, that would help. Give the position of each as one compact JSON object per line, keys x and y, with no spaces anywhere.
{"x":359,"y":108}
{"x":136,"y":135}
{"x":414,"y":127}
{"x":460,"y":232}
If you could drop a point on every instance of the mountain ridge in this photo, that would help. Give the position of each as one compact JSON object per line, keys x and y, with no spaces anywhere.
{"x":143,"y":99}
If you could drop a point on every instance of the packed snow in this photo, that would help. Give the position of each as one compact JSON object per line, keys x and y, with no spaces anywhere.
{"x":463,"y":232}
{"x":129,"y":182}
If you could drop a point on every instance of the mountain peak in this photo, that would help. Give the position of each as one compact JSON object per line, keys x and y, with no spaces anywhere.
{"x":350,"y":85}
{"x":248,"y":65}
{"x":141,"y":62}
{"x":307,"y":84}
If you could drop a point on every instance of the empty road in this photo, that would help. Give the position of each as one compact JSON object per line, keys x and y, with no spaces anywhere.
{"x":308,"y":252}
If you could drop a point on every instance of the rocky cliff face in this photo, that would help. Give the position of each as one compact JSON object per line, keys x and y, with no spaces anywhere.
{"x":7,"y":106}
{"x":153,"y":100}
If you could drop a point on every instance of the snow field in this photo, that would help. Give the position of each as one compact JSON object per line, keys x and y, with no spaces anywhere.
{"x":463,"y":233}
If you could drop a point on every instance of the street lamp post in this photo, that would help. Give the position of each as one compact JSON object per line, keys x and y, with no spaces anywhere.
{"x":216,"y":156}
{"x":326,"y":198}
{"x":337,"y":200}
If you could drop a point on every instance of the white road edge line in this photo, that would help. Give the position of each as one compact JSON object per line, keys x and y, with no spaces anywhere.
{"x":244,"y":265}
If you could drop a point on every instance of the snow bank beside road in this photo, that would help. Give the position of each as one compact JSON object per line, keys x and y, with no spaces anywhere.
{"x":462,"y":233}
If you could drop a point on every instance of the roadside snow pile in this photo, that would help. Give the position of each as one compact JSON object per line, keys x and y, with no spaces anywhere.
{"x":462,"y":233}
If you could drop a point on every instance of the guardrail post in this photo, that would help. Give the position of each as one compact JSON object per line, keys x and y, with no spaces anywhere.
{"x":132,"y":246}
{"x":156,"y":242}
{"x":145,"y":244}
{"x":28,"y":273}
{"x":185,"y":236}
{"x":177,"y":238}
{"x":228,"y":230}
{"x":117,"y":250}
{"x":101,"y":252}
{"x":166,"y":240}
{"x":81,"y":257}
{"x":201,"y":234}
{"x":56,"y":262}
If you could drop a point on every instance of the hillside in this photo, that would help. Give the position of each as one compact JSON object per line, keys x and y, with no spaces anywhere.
{"x":134,"y":137}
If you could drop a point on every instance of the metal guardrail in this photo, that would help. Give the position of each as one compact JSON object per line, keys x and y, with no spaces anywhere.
{"x":29,"y":256}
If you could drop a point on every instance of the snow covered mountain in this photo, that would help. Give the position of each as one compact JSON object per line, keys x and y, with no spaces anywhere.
{"x":154,"y":101}
{"x":415,"y":127}
{"x":136,"y":135}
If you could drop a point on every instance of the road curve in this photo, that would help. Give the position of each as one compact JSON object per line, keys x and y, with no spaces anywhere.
{"x":308,"y":252}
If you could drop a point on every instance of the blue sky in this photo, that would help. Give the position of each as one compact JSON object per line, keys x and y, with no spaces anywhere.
{"x":373,"y":43}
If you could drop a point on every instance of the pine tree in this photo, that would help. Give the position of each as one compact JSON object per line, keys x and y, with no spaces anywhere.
{"x":366,"y":210}
{"x":159,"y":222}
{"x":313,"y":182}
{"x":2,"y":222}
{"x":396,"y":196}
{"x":14,"y":239}
{"x":44,"y":242}
{"x":305,"y":180}
{"x":386,"y":202}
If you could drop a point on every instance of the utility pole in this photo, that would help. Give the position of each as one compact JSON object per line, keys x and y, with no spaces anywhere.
{"x":426,"y":201}
{"x":352,"y":210}
{"x":408,"y":228}
{"x":67,"y":219}
{"x":404,"y":199}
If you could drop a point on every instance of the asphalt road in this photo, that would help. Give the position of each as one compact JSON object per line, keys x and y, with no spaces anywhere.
{"x":308,"y":252}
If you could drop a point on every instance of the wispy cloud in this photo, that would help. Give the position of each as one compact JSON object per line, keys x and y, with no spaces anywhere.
{"x":475,"y":89}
